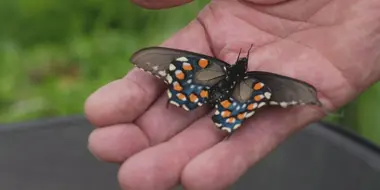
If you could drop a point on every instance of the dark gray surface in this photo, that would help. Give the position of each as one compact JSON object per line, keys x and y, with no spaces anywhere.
{"x":52,"y":155}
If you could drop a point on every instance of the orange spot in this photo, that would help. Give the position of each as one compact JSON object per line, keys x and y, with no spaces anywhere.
{"x":193,"y":97}
{"x":258,"y":86}
{"x":203,"y":63}
{"x":258,"y":97}
{"x":241,"y":116}
{"x":187,"y":67}
{"x":181,"y":96}
{"x":226,"y":113}
{"x":180,"y":75}
{"x":250,"y":107}
{"x":231,"y":120}
{"x":177,"y":86}
{"x":226,"y":103}
{"x":204,"y":93}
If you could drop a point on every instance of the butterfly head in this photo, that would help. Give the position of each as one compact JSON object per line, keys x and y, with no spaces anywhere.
{"x":241,"y":64}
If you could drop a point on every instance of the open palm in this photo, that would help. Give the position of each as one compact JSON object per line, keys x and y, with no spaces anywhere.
{"x":331,"y":44}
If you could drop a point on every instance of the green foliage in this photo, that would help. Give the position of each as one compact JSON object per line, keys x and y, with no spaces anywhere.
{"x":54,"y":53}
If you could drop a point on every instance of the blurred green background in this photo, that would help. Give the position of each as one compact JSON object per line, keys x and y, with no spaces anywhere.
{"x":54,"y":53}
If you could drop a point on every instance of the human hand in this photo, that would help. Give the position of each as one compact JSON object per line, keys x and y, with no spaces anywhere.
{"x":331,"y":44}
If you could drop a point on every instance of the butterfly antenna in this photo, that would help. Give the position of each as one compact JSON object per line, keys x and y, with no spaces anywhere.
{"x":249,"y":51}
{"x":238,"y":55}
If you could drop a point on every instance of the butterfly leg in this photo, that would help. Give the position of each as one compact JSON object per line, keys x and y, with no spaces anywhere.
{"x":228,"y":136}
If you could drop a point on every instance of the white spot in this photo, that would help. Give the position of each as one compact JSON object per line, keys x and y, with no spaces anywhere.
{"x":189,"y":81}
{"x":171,"y":67}
{"x":254,"y":105}
{"x":199,"y":87}
{"x":217,"y":112}
{"x":238,"y":108}
{"x":249,"y":114}
{"x":200,"y":104}
{"x":174,"y":103}
{"x":244,"y":105}
{"x":169,"y":94}
{"x":169,"y":79}
{"x":185,"y":107}
{"x":162,"y":73}
{"x":177,"y":72}
{"x":186,"y":64}
{"x":155,"y":68}
{"x":192,"y":86}
{"x":284,"y":104}
{"x":237,"y":126}
{"x":294,"y":102}
{"x":226,"y":129}
{"x":267,"y":95}
{"x":218,"y":124}
{"x":234,"y":104}
{"x":273,"y":103}
{"x":183,"y":59}
{"x":261,"y":104}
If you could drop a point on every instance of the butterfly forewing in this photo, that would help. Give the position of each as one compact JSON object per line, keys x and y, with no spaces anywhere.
{"x":188,"y":74}
{"x":287,"y":91}
{"x":247,"y":96}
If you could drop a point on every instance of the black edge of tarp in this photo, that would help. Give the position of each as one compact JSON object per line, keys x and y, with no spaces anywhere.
{"x":51,"y":154}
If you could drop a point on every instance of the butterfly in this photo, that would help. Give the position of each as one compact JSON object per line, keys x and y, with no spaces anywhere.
{"x":195,"y":79}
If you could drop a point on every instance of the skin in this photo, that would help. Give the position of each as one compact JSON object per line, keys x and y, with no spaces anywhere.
{"x":331,"y":44}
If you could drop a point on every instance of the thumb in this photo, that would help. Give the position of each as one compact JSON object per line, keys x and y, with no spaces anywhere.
{"x":160,"y":4}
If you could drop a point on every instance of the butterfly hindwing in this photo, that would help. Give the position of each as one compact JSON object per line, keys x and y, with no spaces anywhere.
{"x":190,"y":79}
{"x":247,"y":96}
{"x":287,"y":91}
{"x":188,"y":74}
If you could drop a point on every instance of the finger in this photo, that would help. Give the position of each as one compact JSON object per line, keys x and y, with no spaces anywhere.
{"x":116,"y":143}
{"x":160,"y":123}
{"x":122,"y":100}
{"x":266,"y":2}
{"x":247,"y":146}
{"x":113,"y":104}
{"x":160,"y":4}
{"x":163,"y":164}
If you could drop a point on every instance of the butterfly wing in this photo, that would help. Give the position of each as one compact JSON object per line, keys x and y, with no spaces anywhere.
{"x":247,"y":96}
{"x":189,"y":75}
{"x":287,"y":91}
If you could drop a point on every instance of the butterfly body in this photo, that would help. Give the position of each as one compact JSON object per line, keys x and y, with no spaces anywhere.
{"x":194,"y":80}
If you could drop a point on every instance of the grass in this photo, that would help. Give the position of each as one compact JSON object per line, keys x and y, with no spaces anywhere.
{"x":54,"y":53}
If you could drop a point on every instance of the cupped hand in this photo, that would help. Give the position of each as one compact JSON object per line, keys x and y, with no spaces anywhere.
{"x":331,"y":44}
